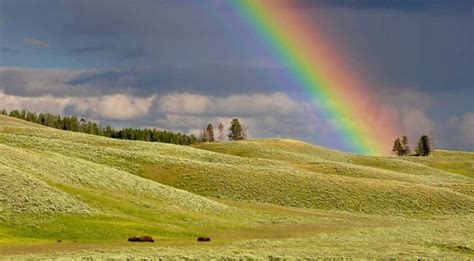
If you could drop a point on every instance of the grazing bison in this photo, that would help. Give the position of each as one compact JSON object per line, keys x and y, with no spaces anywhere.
{"x":204,"y":239}
{"x":141,"y":239}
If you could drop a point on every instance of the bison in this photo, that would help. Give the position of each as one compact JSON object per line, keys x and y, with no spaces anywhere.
{"x":141,"y":239}
{"x":204,"y":239}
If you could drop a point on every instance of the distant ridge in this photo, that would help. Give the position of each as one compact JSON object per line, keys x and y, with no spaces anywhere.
{"x":73,"y":123}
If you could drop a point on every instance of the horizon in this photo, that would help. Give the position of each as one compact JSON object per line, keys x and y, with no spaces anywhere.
{"x":196,"y":138}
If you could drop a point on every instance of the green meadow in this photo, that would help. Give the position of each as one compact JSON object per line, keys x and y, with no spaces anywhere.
{"x":76,"y":196}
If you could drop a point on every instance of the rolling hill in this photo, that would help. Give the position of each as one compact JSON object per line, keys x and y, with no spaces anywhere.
{"x":255,"y":199}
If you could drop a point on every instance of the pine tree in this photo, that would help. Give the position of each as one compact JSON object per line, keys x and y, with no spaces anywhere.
{"x":221,"y":132}
{"x":397,"y":147}
{"x":420,"y":148}
{"x":15,"y":113}
{"x":405,"y":147}
{"x":23,"y":114}
{"x":235,"y":130}
{"x":210,"y":133}
{"x":424,"y":147}
{"x":71,"y":123}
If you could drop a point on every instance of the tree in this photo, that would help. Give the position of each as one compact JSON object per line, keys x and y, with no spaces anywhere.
{"x":203,"y":137}
{"x":424,"y":147}
{"x":235,"y":130}
{"x":221,"y":132}
{"x":82,"y":125}
{"x":15,"y":113}
{"x":72,"y":123}
{"x":397,"y":147}
{"x":23,"y":114}
{"x":210,"y":133}
{"x":405,"y":147}
{"x":4,"y":112}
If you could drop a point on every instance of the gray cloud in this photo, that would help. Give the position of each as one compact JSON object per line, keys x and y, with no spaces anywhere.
{"x":36,"y":42}
{"x":467,"y":127}
{"x":109,"y":107}
{"x":275,"y":104}
{"x":213,"y":79}
{"x":463,"y":134}
{"x":411,"y":107}
{"x":38,"y":104}
{"x":264,"y":115}
{"x":138,"y":17}
{"x":134,"y":52}
{"x":93,"y":49}
{"x":439,"y":6}
{"x":5,"y":49}
{"x":41,"y":82}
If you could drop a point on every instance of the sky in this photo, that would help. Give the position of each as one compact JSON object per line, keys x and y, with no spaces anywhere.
{"x":181,"y":64}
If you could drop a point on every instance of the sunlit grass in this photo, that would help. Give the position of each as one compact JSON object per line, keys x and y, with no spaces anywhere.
{"x":255,"y":199}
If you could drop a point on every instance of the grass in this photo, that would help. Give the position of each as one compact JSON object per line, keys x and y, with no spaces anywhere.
{"x":255,"y":199}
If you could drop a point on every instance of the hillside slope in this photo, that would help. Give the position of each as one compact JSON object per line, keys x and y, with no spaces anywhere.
{"x":332,"y":179}
{"x":38,"y":179}
{"x":280,"y":172}
{"x":93,"y":190}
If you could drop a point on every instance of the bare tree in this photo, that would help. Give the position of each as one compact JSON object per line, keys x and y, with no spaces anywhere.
{"x":405,"y":147}
{"x":221,"y":136}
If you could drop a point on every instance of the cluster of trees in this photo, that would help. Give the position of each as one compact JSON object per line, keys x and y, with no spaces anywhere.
{"x":72,"y":123}
{"x":401,"y":147}
{"x":423,"y":148}
{"x":236,"y":132}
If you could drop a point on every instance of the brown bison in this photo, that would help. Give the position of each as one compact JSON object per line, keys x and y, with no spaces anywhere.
{"x":204,"y":239}
{"x":141,"y":239}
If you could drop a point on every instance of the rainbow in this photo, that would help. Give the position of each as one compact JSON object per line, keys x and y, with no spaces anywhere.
{"x":365,"y":125}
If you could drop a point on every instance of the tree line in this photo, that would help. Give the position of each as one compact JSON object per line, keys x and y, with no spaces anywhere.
{"x":423,"y":148}
{"x":236,"y":132}
{"x":72,"y":123}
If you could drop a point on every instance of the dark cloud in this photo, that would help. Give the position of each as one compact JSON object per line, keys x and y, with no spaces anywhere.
{"x":134,"y":52}
{"x":93,"y":49}
{"x":438,"y":6}
{"x":171,"y":18}
{"x":212,"y":79}
{"x":215,"y":79}
{"x":5,"y":49}
{"x":36,"y":42}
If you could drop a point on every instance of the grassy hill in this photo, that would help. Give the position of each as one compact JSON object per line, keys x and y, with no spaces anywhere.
{"x":254,"y":198}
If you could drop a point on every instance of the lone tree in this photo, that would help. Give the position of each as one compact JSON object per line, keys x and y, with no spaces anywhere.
{"x":210,"y":133}
{"x":405,"y":147}
{"x":397,"y":147}
{"x":221,"y":132}
{"x":235,"y":130}
{"x":424,"y":147}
